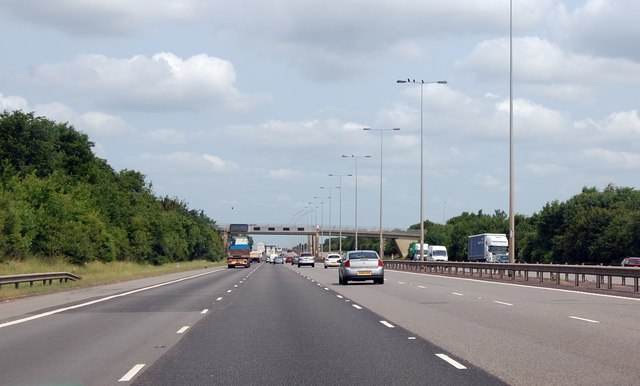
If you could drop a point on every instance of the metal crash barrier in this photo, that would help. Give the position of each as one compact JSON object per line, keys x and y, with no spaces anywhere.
{"x":542,"y":272}
{"x":35,"y":277}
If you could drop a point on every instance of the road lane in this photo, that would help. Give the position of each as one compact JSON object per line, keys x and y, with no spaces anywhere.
{"x":284,"y":329}
{"x":524,"y":335}
{"x":99,"y":343}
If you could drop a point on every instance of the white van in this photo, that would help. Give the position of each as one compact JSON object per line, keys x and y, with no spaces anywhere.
{"x":437,"y":253}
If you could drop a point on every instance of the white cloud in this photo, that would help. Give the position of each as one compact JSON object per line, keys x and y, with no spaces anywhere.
{"x":285,"y":174}
{"x":608,"y":160}
{"x":599,"y":27}
{"x":184,"y":163}
{"x":220,"y":165}
{"x":621,"y":128}
{"x":539,"y":61}
{"x":10,"y":103}
{"x":98,"y":17}
{"x":547,"y":169}
{"x":169,"y":136}
{"x":488,"y":181}
{"x":163,"y":81}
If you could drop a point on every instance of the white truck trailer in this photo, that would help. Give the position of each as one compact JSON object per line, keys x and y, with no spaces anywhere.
{"x":487,"y":247}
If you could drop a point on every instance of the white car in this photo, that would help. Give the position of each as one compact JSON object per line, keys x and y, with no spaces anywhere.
{"x":332,"y":260}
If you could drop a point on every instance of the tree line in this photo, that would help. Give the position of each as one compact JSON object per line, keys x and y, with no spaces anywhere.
{"x":593,"y":227}
{"x":58,"y":200}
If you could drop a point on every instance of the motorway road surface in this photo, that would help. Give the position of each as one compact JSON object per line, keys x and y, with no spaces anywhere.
{"x":287,"y":325}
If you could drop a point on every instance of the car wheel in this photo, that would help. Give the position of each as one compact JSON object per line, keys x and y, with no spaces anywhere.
{"x":298,"y":265}
{"x":313,"y":265}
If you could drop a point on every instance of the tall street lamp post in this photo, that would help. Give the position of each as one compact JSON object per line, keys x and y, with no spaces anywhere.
{"x":355,"y":157}
{"x":421,"y":83}
{"x":512,"y":221}
{"x":321,"y":221}
{"x":330,"y":188}
{"x":315,"y":225}
{"x":340,"y":205}
{"x":381,"y":140}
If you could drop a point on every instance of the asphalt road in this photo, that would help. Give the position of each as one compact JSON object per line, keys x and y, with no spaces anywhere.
{"x":281,"y":328}
{"x":523,"y":335}
{"x":288,"y":325}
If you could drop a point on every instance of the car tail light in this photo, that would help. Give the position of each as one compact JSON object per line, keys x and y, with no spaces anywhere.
{"x":347,"y":263}
{"x":380,"y":263}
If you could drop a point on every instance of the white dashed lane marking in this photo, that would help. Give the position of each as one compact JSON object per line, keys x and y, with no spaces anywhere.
{"x":450,"y":361}
{"x":384,"y":322}
{"x":583,"y":319}
{"x":503,"y":303}
{"x":182,"y":330}
{"x":357,"y":307}
{"x":205,"y":311}
{"x":132,"y":373}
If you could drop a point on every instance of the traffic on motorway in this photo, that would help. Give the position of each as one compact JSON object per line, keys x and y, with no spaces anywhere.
{"x":217,"y":326}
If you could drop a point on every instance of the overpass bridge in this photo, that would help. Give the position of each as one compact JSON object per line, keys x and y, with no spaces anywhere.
{"x":402,"y":238}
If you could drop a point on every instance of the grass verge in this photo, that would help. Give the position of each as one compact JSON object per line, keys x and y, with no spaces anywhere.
{"x":92,"y":274}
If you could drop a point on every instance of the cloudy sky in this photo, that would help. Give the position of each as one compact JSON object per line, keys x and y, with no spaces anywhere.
{"x":244,"y":108}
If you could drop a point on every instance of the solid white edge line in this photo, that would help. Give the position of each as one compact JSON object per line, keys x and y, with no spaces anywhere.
{"x":59,"y":310}
{"x":452,"y":362}
{"x":503,"y":303}
{"x":182,"y":330}
{"x":132,"y":373}
{"x":583,"y":319}
{"x":521,"y":286}
{"x":205,"y":311}
{"x":357,"y":307}
{"x":387,"y":324}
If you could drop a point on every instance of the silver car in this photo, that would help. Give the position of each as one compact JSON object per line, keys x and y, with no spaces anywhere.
{"x":306,"y":258}
{"x":360,"y":266}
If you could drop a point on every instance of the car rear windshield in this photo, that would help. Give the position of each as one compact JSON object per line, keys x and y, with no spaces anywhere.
{"x":363,"y":255}
{"x":634,"y":260}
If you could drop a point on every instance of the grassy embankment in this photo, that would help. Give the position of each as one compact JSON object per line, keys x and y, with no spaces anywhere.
{"x":92,"y":274}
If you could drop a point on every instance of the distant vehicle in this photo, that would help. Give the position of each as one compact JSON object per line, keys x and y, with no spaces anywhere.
{"x":306,"y":258}
{"x":360,"y":266}
{"x":272,"y":258}
{"x":503,"y":259}
{"x":279,"y":259}
{"x":487,"y":247}
{"x":437,"y":253}
{"x":414,"y":251}
{"x":332,"y":260}
{"x":239,"y":254}
{"x":238,"y":261}
{"x":288,"y":259}
{"x":631,"y":262}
